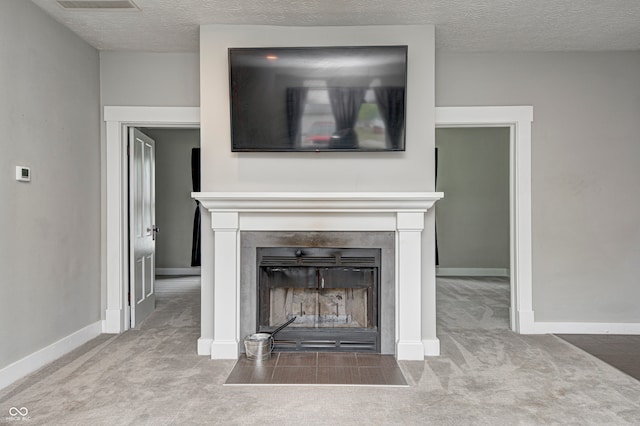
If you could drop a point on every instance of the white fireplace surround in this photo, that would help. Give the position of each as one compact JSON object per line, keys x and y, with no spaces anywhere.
{"x":233,"y":212}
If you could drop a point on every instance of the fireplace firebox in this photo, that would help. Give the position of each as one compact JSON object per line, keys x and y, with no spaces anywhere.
{"x":332,"y":292}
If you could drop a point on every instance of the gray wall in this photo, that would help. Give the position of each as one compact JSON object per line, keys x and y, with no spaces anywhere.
{"x":472,"y":220}
{"x":585,"y":174}
{"x":149,"y":79}
{"x":49,"y":228}
{"x":174,"y":205}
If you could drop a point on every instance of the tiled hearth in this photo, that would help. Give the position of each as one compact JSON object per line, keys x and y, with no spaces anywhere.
{"x":232,"y":214}
{"x":318,"y":368}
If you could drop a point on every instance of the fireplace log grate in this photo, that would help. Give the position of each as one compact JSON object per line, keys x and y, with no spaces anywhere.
{"x":324,"y":340}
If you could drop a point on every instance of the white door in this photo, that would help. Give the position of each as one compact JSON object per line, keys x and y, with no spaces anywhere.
{"x":142,"y":228}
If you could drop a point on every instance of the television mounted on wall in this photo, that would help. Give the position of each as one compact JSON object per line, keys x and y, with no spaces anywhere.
{"x":318,"y":98}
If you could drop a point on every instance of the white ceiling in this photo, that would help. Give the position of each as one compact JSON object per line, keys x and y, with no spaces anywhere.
{"x":461,"y":25}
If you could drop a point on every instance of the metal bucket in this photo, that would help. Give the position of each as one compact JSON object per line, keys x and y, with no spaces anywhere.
{"x":258,"y":346}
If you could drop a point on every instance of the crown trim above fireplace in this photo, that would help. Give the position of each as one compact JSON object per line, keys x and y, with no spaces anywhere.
{"x":232,"y":213}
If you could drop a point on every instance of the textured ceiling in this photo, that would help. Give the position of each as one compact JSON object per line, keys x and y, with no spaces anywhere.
{"x":461,"y":25}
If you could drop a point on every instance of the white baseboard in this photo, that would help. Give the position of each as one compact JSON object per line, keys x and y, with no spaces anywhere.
{"x":526,"y":322}
{"x":472,"y":272}
{"x":204,"y":346}
{"x":112,"y":323}
{"x":409,"y":350}
{"x":431,"y":347}
{"x":585,"y":328}
{"x":224,"y":349}
{"x":38,"y":359}
{"x":195,"y":270}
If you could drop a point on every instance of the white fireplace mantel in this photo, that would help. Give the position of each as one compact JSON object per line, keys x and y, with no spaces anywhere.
{"x":233,"y":212}
{"x":318,"y":201}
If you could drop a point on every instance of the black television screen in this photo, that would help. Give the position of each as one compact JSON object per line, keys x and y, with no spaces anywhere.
{"x":318,"y":98}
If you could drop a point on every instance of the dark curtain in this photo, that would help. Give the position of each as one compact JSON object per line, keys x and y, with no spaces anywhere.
{"x":390,"y":102}
{"x":195,"y":181}
{"x":345,"y":105}
{"x":296,"y":98}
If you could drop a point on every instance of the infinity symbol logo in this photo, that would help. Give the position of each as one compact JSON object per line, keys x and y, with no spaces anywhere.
{"x":15,"y":412}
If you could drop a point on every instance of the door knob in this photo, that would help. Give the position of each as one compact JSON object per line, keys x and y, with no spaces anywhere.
{"x":154,"y":231}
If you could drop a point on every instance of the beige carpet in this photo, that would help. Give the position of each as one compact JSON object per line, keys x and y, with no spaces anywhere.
{"x":486,"y":376}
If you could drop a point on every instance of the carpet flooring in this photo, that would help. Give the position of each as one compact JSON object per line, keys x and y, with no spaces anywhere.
{"x":486,"y":375}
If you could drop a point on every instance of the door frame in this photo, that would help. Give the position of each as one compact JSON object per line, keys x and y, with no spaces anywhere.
{"x":518,"y":119}
{"x":117,"y":121}
{"x":119,"y":118}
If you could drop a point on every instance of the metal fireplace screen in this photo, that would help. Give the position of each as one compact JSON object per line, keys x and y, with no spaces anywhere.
{"x":333,"y":293}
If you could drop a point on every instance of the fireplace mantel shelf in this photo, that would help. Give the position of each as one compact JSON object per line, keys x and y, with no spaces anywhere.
{"x":317,"y":201}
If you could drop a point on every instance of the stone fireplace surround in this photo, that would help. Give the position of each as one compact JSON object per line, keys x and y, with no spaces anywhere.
{"x":236,"y":213}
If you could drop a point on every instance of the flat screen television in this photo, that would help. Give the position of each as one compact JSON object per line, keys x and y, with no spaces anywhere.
{"x":318,"y":98}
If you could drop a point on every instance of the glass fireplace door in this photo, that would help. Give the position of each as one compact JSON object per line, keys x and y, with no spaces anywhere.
{"x":332,"y":293}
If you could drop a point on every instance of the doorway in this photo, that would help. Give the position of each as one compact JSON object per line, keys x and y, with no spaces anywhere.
{"x":472,"y":228}
{"x":176,"y":218}
{"x":518,"y":119}
{"x":115,"y":232}
{"x":176,"y":178}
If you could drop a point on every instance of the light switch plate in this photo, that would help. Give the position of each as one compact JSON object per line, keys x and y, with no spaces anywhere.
{"x":23,"y":174}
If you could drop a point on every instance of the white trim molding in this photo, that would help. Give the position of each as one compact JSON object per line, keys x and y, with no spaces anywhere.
{"x":118,"y":119}
{"x":472,"y":272}
{"x":518,"y":119}
{"x":586,"y":328}
{"x":204,"y":346}
{"x":232,"y":213}
{"x":431,"y":347}
{"x":38,"y":359}
{"x":317,"y":202}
